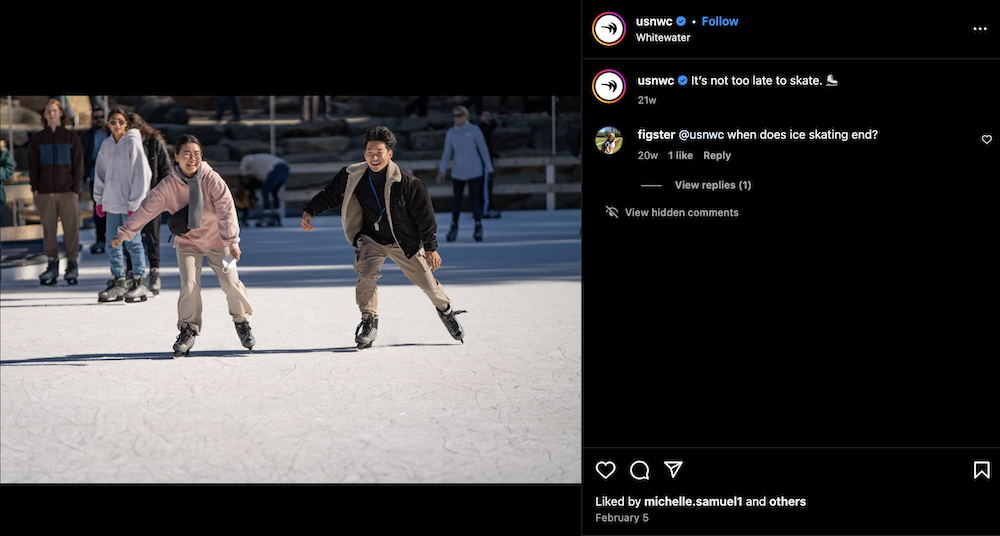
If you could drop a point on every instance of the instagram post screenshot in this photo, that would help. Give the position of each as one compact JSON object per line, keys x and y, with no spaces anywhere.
{"x":786,"y":275}
{"x":573,"y":268}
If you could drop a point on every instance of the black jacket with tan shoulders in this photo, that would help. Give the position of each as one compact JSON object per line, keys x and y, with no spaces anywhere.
{"x":410,"y":214}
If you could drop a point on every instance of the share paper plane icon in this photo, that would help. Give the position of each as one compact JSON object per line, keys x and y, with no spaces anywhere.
{"x":673,"y":466}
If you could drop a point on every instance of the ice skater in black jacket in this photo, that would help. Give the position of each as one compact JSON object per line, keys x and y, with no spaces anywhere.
{"x":386,"y":212}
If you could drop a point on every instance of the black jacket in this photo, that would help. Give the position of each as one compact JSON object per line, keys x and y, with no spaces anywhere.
{"x":87,"y":139}
{"x":410,"y":214}
{"x":55,"y":161}
{"x":159,"y":159}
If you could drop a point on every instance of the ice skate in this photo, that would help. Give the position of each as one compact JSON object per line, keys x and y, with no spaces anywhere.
{"x":97,"y":247}
{"x":246,"y":336}
{"x":367,"y":331}
{"x":478,"y":233}
{"x":270,"y":219}
{"x":137,"y":289}
{"x":182,"y":347}
{"x":51,"y":273}
{"x":72,"y":272}
{"x":453,"y":232}
{"x":154,"y":281}
{"x":115,"y":292}
{"x":450,"y":322}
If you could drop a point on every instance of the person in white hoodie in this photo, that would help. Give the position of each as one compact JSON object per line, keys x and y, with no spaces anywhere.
{"x":121,"y":181}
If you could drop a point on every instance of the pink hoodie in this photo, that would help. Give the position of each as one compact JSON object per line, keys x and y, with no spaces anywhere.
{"x":219,"y":223}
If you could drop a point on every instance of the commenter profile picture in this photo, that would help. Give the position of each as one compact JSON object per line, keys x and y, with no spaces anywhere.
{"x":608,"y":140}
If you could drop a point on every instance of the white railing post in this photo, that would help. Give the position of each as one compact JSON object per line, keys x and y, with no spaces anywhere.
{"x":550,"y":181}
{"x":273,"y":143}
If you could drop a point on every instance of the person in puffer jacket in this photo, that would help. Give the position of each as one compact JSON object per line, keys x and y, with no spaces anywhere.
{"x":213,"y":233}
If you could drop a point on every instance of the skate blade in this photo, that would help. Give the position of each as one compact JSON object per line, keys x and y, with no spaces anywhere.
{"x":132,"y":300}
{"x":71,"y":281}
{"x":186,"y":353}
{"x":48,"y":282}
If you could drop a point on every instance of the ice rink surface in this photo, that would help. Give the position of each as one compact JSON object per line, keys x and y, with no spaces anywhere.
{"x":90,"y":392}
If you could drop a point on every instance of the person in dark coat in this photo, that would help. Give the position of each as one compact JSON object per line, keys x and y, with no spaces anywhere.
{"x":385,"y":212}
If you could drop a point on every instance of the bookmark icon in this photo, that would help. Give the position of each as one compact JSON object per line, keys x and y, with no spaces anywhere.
{"x":981,"y":468}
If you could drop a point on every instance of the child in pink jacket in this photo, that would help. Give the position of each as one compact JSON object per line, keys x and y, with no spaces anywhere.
{"x":213,"y":233}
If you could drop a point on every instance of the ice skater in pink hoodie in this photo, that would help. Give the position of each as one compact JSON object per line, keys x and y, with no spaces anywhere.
{"x":213,"y":233}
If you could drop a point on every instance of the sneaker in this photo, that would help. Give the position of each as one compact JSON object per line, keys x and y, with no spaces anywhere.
{"x":367,"y":330}
{"x":246,"y":336}
{"x":182,"y":347}
{"x":450,"y":322}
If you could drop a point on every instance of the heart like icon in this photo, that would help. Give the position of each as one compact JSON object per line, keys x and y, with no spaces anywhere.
{"x":987,"y":138}
{"x":606,"y":468}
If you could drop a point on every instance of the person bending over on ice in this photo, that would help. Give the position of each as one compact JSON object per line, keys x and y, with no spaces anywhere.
{"x":386,"y":212}
{"x":197,"y":195}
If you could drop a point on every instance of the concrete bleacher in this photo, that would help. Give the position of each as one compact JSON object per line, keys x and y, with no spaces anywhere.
{"x":535,"y":171}
{"x":25,"y":214}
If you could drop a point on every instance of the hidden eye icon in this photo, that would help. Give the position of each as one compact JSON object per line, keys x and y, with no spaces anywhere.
{"x":608,"y":28}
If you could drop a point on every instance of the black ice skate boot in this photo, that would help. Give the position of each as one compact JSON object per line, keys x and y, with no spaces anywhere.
{"x":453,"y":232}
{"x":72,"y":271}
{"x":367,"y":331}
{"x":182,"y":347}
{"x":115,"y":292}
{"x":269,"y":219}
{"x":450,"y":322}
{"x":51,"y":273}
{"x":478,"y":233}
{"x":97,"y":247}
{"x":154,"y":281}
{"x":137,"y":289}
{"x":246,"y":336}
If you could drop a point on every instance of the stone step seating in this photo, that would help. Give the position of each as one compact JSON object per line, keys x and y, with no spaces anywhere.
{"x":27,"y":225}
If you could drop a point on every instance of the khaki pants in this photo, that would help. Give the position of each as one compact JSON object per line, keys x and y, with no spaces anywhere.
{"x":63,"y":206}
{"x":189,"y":263}
{"x":369,"y":257}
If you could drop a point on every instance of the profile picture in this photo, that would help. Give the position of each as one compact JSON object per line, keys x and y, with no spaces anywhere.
{"x":608,"y":140}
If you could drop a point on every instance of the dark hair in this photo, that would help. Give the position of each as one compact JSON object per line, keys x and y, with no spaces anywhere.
{"x":146,"y":131}
{"x":184,"y":139}
{"x":119,"y":110}
{"x":381,"y":133}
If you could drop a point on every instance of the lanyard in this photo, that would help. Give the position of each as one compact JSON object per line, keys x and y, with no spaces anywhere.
{"x":376,"y":201}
